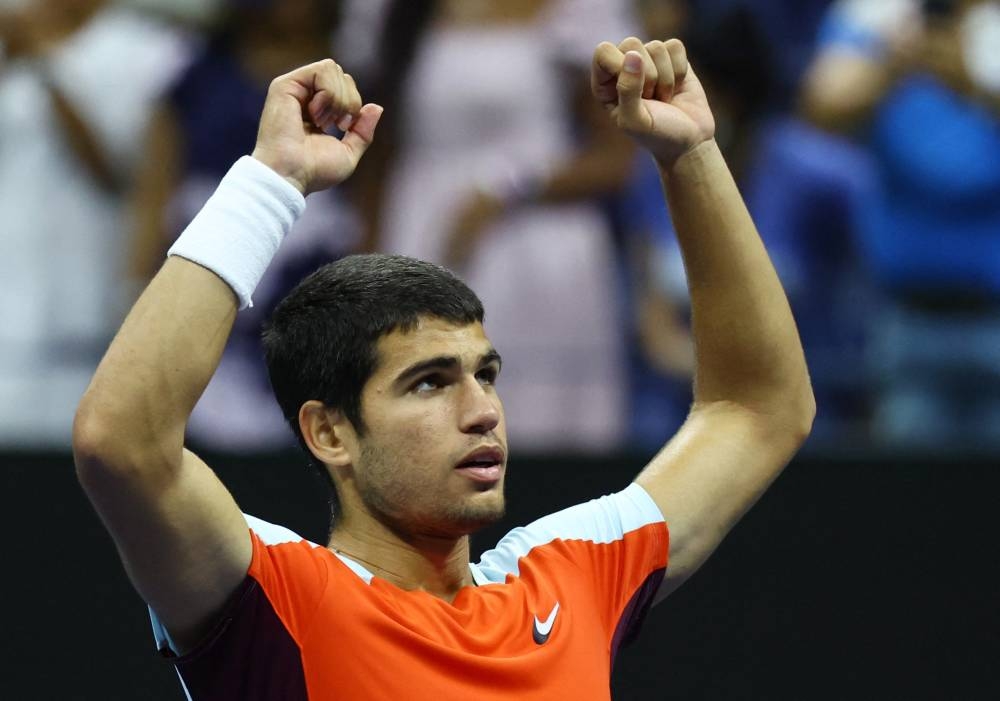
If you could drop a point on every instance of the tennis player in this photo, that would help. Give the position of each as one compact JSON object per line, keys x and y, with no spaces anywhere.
{"x":389,"y":381}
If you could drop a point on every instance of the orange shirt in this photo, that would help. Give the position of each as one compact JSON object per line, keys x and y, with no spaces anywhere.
{"x":553,"y":603}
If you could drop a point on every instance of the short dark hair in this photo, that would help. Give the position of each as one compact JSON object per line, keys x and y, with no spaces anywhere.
{"x":320,"y":342}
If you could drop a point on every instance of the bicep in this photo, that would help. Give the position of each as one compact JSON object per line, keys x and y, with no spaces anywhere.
{"x":184,"y":543}
{"x":715,"y":468}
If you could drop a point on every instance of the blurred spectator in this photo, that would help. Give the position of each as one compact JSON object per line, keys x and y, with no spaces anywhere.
{"x":788,"y":27}
{"x":493,"y":155}
{"x":76,"y":84}
{"x":193,"y":13}
{"x":207,"y":122}
{"x":802,"y":188}
{"x":919,"y":84}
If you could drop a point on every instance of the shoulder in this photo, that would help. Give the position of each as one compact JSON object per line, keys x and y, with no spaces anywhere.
{"x":630,"y":514}
{"x":283,"y":559}
{"x":273,"y":534}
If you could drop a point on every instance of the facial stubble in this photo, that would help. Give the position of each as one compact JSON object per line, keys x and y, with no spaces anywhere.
{"x":391,"y":489}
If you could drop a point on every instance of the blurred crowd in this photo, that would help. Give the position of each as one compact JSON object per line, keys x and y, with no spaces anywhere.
{"x":865,"y":135}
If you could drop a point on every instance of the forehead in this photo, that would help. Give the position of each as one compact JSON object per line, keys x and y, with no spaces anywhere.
{"x":432,"y":337}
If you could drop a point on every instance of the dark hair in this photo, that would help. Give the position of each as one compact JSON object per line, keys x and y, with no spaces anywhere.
{"x":320,"y":342}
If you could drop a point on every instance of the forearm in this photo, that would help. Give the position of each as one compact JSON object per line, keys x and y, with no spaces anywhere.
{"x":160,"y":362}
{"x":158,"y":365}
{"x":747,"y":347}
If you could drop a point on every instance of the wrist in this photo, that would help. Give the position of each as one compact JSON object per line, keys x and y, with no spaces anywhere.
{"x":689,"y":162}
{"x":293,"y":176}
{"x":239,"y":230}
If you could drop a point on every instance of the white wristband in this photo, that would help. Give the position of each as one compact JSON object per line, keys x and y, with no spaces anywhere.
{"x":238,"y":231}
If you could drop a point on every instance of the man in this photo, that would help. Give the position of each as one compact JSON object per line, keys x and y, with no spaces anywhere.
{"x":392,"y":607}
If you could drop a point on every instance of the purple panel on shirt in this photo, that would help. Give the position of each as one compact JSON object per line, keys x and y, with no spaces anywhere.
{"x":635,"y":612}
{"x":248,"y":656}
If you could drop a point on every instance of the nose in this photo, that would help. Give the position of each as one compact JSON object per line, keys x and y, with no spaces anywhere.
{"x":480,"y":411}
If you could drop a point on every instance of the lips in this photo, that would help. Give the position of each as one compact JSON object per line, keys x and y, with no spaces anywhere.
{"x":483,"y":464}
{"x":486,"y":456}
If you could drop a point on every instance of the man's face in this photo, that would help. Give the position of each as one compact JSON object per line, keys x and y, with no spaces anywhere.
{"x":433,"y":457}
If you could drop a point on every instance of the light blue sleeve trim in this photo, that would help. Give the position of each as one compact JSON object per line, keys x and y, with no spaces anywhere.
{"x":358,"y":569}
{"x":603,"y":520}
{"x":477,"y":575}
{"x":160,"y":634}
{"x":162,"y":642}
{"x":270,"y":534}
{"x":273,"y":534}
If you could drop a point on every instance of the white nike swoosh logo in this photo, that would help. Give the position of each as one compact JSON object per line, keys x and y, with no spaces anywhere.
{"x":542,"y":629}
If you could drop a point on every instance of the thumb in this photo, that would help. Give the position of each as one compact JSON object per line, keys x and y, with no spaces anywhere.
{"x":630,"y":81}
{"x":359,"y":136}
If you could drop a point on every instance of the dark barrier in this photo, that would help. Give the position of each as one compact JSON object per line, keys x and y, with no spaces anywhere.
{"x":851,"y":579}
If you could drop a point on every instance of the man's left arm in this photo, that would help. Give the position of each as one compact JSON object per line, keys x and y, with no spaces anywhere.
{"x":753,"y":404}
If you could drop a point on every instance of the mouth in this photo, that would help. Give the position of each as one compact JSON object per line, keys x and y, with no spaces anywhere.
{"x":483,"y":464}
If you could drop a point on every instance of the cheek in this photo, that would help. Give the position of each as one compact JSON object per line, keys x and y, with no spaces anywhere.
{"x":408,"y":447}
{"x":415,"y":432}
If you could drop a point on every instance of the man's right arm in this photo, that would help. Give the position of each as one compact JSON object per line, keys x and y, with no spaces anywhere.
{"x":179,"y":533}
{"x":181,"y":537}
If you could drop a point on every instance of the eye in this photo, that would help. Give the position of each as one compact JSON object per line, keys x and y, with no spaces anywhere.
{"x":488,"y":375}
{"x":428,"y":384}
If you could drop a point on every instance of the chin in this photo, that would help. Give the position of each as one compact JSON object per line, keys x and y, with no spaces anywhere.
{"x":475,"y":517}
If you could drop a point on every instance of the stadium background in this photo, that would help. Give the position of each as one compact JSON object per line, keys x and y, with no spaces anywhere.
{"x":868,"y":571}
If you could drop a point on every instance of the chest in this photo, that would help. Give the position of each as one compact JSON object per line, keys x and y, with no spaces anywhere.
{"x":532,"y":638}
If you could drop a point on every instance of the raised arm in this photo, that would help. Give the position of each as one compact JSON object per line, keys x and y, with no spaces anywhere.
{"x":753,"y":404}
{"x":180,"y":535}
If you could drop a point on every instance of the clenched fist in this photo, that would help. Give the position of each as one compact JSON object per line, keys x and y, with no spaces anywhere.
{"x":300,"y":107}
{"x":653,"y":94}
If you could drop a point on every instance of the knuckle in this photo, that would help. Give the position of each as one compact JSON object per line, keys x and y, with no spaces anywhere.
{"x":606,"y":54}
{"x":624,"y":86}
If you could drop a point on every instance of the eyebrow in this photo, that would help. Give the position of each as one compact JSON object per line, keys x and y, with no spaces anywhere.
{"x":443,"y":362}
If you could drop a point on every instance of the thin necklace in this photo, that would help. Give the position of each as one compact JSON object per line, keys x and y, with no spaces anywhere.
{"x":370,"y":565}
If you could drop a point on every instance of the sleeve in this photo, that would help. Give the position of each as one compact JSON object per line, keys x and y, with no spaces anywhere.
{"x":616,"y":546}
{"x":255,"y":648}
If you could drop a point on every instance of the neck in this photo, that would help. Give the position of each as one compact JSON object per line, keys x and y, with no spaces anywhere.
{"x":438,"y":565}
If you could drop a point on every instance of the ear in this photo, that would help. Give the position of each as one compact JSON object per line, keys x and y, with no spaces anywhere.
{"x":328,"y":433}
